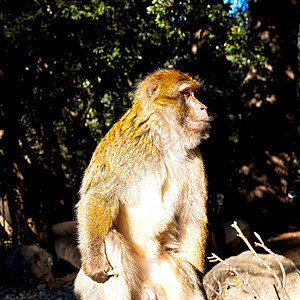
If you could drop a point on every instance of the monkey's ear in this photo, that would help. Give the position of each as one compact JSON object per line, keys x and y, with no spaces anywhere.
{"x":153,"y":87}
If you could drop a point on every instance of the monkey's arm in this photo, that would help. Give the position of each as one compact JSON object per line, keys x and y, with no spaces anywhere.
{"x":96,"y":212}
{"x":193,"y":221}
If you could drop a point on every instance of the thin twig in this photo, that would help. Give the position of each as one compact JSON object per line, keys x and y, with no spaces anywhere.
{"x":246,"y":281}
{"x":241,"y":235}
{"x":262,"y":245}
{"x":211,"y":288}
{"x":214,"y":258}
{"x":276,"y":292}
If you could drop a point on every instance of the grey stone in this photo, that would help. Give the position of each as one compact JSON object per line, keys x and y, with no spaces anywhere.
{"x":246,"y":271}
{"x":31,"y":262}
{"x":65,"y":243}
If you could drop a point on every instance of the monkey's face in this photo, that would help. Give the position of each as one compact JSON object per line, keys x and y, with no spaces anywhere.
{"x":171,"y":95}
{"x":195,"y":116}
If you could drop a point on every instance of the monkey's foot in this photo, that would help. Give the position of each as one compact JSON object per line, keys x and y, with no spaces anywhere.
{"x":113,"y":272}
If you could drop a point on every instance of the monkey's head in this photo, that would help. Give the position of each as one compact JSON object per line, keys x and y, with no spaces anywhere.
{"x":173,"y":95}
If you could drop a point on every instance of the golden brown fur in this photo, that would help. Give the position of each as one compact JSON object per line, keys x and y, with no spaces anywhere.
{"x":142,"y":211}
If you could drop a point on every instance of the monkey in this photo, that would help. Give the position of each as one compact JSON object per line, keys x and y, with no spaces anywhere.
{"x":142,"y":210}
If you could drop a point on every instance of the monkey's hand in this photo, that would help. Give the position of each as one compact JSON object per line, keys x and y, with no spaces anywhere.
{"x":97,"y":266}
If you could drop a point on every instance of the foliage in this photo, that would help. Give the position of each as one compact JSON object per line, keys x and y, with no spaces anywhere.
{"x":70,"y":68}
{"x":241,"y":47}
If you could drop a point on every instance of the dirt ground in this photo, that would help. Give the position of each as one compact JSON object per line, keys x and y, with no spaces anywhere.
{"x":287,"y":244}
{"x":59,"y":289}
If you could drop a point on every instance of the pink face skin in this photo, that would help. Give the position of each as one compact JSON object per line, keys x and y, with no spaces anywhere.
{"x":197,"y":116}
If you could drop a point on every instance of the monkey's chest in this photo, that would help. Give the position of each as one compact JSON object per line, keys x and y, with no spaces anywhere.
{"x":154,"y":207}
{"x":151,"y":214}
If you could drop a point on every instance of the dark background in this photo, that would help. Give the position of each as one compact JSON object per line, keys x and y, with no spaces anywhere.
{"x":68,"y":70}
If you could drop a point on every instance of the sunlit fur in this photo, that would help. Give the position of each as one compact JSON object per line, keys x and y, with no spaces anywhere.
{"x":143,"y":200}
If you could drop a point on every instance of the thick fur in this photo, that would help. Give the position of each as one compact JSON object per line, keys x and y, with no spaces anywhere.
{"x":143,"y":201}
{"x":126,"y":286}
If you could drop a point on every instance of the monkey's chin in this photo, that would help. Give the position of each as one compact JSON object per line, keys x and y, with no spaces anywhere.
{"x":201,"y":126}
{"x":194,"y":133}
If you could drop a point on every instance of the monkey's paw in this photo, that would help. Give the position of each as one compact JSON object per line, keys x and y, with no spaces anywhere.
{"x":99,"y":272}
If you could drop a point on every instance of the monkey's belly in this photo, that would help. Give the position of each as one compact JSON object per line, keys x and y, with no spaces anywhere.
{"x":160,"y":277}
{"x":152,"y":261}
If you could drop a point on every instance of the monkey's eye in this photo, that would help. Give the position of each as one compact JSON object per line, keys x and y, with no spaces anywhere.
{"x":185,"y":94}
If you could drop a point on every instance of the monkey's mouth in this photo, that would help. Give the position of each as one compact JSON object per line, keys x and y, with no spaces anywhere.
{"x":197,"y":125}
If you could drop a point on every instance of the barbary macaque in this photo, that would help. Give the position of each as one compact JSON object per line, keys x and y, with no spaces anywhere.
{"x":142,"y":213}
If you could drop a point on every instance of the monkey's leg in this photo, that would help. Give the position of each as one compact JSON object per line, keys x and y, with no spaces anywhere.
{"x":189,"y":280}
{"x":193,"y":242}
{"x":171,"y":277}
{"x":125,"y":286}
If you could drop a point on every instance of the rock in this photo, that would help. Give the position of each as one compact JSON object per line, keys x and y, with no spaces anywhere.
{"x":245,"y":277}
{"x":31,"y":261}
{"x":65,"y":243}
